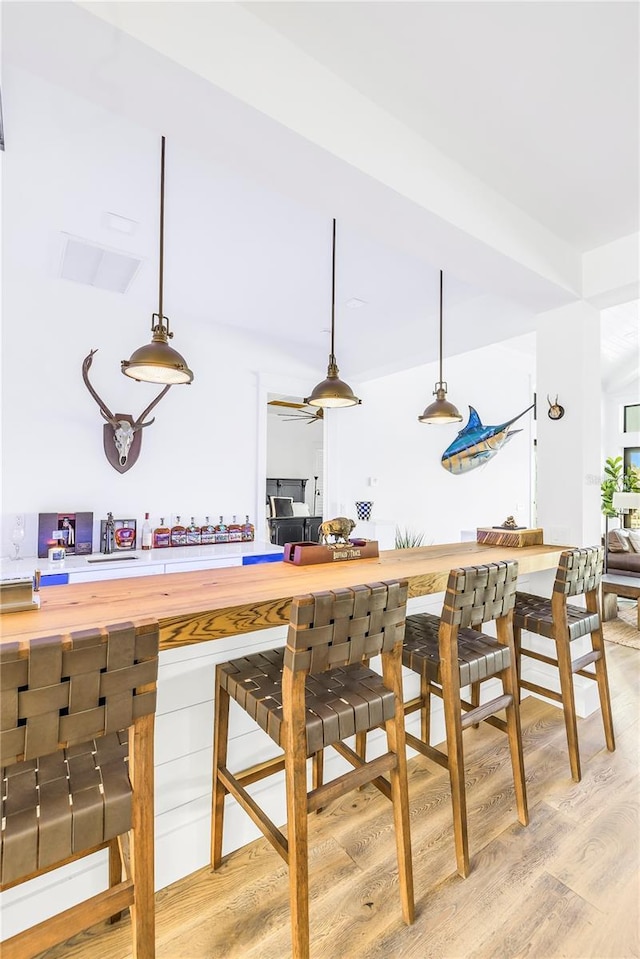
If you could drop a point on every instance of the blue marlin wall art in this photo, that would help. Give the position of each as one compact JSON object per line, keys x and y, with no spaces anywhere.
{"x":476,"y":444}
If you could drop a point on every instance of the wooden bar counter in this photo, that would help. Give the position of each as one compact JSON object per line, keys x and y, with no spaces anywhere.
{"x":197,"y":607}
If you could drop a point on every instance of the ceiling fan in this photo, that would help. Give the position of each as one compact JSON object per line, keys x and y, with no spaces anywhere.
{"x":302,"y":411}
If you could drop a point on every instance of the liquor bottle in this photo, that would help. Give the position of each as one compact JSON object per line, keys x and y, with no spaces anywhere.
{"x":235,"y":531}
{"x":161,"y":535}
{"x":178,"y":534}
{"x":207,"y":533}
{"x":248,"y":531}
{"x":125,"y":536}
{"x":146,"y":538}
{"x":108,"y":534}
{"x":221,"y":532}
{"x":193,"y":533}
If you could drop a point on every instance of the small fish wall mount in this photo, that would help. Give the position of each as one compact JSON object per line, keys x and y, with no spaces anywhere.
{"x":476,"y":444}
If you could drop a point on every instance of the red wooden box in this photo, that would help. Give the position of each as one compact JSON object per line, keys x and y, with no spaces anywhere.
{"x":308,"y":554}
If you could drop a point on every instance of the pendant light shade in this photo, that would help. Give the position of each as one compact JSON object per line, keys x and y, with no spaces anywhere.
{"x":157,"y":362}
{"x":441,"y":411}
{"x":332,"y":392}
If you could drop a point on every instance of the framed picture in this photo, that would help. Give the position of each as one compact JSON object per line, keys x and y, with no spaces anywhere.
{"x":74,"y":531}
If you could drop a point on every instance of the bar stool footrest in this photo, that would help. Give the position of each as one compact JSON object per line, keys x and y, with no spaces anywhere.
{"x":591,"y":657}
{"x":350,"y":780}
{"x":541,"y":690}
{"x":479,"y":713}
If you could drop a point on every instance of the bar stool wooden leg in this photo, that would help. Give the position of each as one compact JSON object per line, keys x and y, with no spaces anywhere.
{"x":509,"y":679}
{"x":142,"y":839}
{"x":396,"y":740}
{"x":453,"y":724}
{"x":317,"y":773}
{"x":597,"y":642}
{"x":361,"y":745}
{"x":517,"y":643}
{"x":563,"y":653}
{"x":317,"y":770}
{"x":602,"y":679}
{"x":115,"y":872}
{"x":220,"y":742}
{"x":425,"y":709}
{"x":475,"y":699}
{"x":361,"y":738}
{"x":297,"y":825}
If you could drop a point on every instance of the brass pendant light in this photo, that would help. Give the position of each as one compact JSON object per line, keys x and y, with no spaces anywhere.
{"x":441,"y":410}
{"x":332,"y":392}
{"x":158,"y":362}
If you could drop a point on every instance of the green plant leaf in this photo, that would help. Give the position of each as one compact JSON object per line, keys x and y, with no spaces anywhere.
{"x":408,"y":539}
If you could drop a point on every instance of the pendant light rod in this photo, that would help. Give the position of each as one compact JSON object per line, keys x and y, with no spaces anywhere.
{"x":163,"y":321}
{"x":333,"y":294}
{"x":440,"y":380}
{"x":161,"y":257}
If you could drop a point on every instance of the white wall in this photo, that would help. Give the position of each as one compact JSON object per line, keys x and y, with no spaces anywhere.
{"x":568,"y":462}
{"x":199,"y":457}
{"x":383,"y":440}
{"x":64,"y":166}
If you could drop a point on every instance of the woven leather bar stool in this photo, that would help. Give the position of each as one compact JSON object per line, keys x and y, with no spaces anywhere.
{"x":448,"y":652}
{"x":76,"y":749}
{"x":315,"y":693}
{"x":579,"y":573}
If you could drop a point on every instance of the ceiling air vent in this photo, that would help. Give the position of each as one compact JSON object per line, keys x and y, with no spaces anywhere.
{"x":85,"y":262}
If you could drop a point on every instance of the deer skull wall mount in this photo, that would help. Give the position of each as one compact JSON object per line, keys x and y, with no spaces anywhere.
{"x":555,"y":411}
{"x":122,"y":434}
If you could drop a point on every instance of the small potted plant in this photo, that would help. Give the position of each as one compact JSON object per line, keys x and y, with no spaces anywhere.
{"x":408,"y":539}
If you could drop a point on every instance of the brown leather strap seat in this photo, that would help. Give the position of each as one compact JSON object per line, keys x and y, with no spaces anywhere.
{"x":579,"y":574}
{"x":59,"y":805}
{"x":534,"y":614}
{"x":76,"y":750}
{"x":449,"y":652}
{"x":317,"y":692}
{"x":339,"y":703}
{"x":479,"y":656}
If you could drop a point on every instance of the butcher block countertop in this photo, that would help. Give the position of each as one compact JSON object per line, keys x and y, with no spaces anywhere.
{"x":199,"y":606}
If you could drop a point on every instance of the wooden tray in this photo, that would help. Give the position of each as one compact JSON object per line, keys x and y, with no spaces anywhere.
{"x":509,"y":537}
{"x":308,"y":554}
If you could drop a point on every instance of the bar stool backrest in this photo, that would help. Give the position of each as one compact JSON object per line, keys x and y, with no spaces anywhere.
{"x":478,"y":594}
{"x":579,"y":571}
{"x":345,"y":626}
{"x":60,"y":691}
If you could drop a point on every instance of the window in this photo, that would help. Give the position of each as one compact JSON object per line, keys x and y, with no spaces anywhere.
{"x":632,"y":418}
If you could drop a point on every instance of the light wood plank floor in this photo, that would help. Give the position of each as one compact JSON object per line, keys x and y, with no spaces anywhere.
{"x":567,"y":885}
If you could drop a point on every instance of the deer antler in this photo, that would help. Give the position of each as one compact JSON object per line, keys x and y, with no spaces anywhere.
{"x":104,"y":409}
{"x":138,"y":425}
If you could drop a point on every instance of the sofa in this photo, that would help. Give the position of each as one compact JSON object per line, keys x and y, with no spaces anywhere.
{"x":623,"y":553}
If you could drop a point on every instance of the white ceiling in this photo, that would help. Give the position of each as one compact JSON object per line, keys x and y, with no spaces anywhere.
{"x":551,"y":123}
{"x":539,"y":100}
